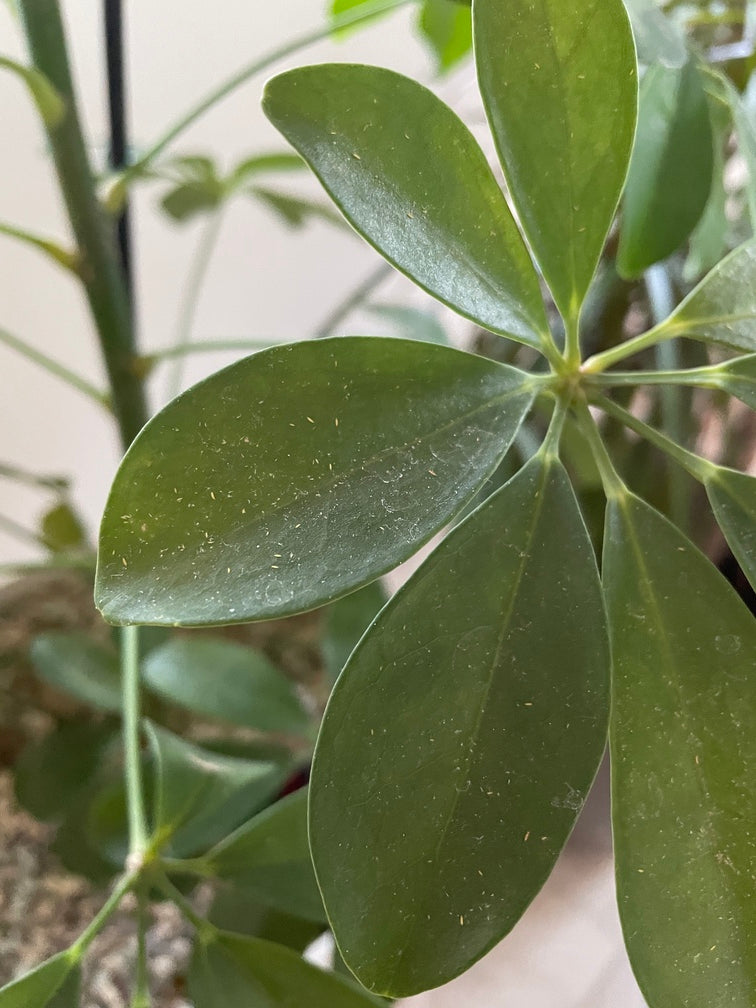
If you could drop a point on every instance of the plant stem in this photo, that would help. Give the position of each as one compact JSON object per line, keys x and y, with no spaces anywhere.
{"x":58,"y":484}
{"x":62,"y":256}
{"x":190,"y":299}
{"x":205,"y":929}
{"x":130,"y":686}
{"x":601,"y":361}
{"x":709,"y":377}
{"x":204,"y":346}
{"x":99,"y":265}
{"x":141,"y":996}
{"x":346,"y":20}
{"x":353,"y":300}
{"x":550,"y":445}
{"x":124,"y":885}
{"x":13,"y":528}
{"x":54,"y":368}
{"x":614,"y":488}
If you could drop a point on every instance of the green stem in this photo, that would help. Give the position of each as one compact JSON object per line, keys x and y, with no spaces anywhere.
{"x":572,"y":342}
{"x":58,"y":484}
{"x":99,"y":265}
{"x":62,"y":256}
{"x":550,"y":446}
{"x":130,"y":686}
{"x":614,"y":488}
{"x":19,"y":531}
{"x":353,"y":300}
{"x":124,"y":885}
{"x":54,"y":368}
{"x":199,"y":867}
{"x":263,"y":63}
{"x":141,"y":996}
{"x":148,"y":361}
{"x":709,"y":377}
{"x":190,"y":300}
{"x":601,"y":361}
{"x":699,"y":468}
{"x":205,"y":929}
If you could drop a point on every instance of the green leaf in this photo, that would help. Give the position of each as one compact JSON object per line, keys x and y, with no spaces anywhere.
{"x":671,"y":169}
{"x":36,"y":989}
{"x":411,"y":323}
{"x":234,"y":910}
{"x":657,"y":38}
{"x":73,"y":662}
{"x":298,"y":475}
{"x":225,"y":680}
{"x":559,"y":85}
{"x":190,"y":199}
{"x":269,"y":859}
{"x":62,"y":530}
{"x":733,"y":499}
{"x":294,"y":211}
{"x":738,"y":377}
{"x":346,"y":621}
{"x":708,"y":241}
{"x":62,"y":256}
{"x":261,"y":164}
{"x":411,"y":178}
{"x":722,"y":308}
{"x":461,"y":740}
{"x":745,"y":131}
{"x":683,"y":744}
{"x":200,"y":795}
{"x":235,"y":970}
{"x":49,"y":103}
{"x":78,"y":846}
{"x":447,"y":26}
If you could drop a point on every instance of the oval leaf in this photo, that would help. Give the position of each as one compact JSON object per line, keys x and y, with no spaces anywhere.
{"x":722,"y":308}
{"x":461,"y":740}
{"x":269,"y":858}
{"x":73,"y":662}
{"x":683,"y":744}
{"x":37,"y":989}
{"x":671,"y":169}
{"x":559,"y":85}
{"x":297,"y":475}
{"x":225,"y":680}
{"x":411,"y":178}
{"x":733,"y":499}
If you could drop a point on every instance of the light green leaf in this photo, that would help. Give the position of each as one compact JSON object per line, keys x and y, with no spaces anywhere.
{"x":657,"y":38}
{"x":235,"y":970}
{"x":738,"y":377}
{"x":722,"y":308}
{"x":222,"y":679}
{"x":73,"y":662}
{"x":297,"y":475}
{"x":411,"y":323}
{"x":190,"y":199}
{"x":447,"y":26}
{"x":62,"y":256}
{"x":200,"y":795}
{"x":559,"y":84}
{"x":36,"y":989}
{"x":294,"y":211}
{"x":49,"y":103}
{"x":260,"y":164}
{"x":461,"y":740}
{"x":62,"y":529}
{"x":410,"y":177}
{"x":733,"y":499}
{"x":671,"y":169}
{"x":683,"y":743}
{"x":708,"y":241}
{"x":346,"y":621}
{"x":269,"y":859}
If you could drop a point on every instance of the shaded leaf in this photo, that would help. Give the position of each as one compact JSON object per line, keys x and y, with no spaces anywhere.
{"x":671,"y":169}
{"x":36,"y":989}
{"x":346,"y":621}
{"x":75,"y":845}
{"x":447,"y":26}
{"x":733,"y":499}
{"x":708,"y":241}
{"x":412,"y":323}
{"x":234,"y":909}
{"x":189,"y":199}
{"x":461,"y":740}
{"x":294,"y":211}
{"x":297,"y":475}
{"x":559,"y":85}
{"x":410,"y":177}
{"x":73,"y":662}
{"x":222,"y":679}
{"x":683,"y":743}
{"x":738,"y":377}
{"x":657,"y":38}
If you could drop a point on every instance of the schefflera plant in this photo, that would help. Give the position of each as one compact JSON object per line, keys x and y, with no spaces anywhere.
{"x":464,"y":733}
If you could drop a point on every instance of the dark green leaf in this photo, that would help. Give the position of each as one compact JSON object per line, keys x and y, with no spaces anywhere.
{"x":559,"y":84}
{"x":69,"y":994}
{"x":73,"y":662}
{"x":410,"y":177}
{"x":200,"y":796}
{"x":222,"y":679}
{"x":36,"y":989}
{"x":733,"y":500}
{"x":297,"y":475}
{"x":346,"y":621}
{"x":722,"y":308}
{"x":461,"y":740}
{"x":76,"y":843}
{"x":234,"y":910}
{"x":671,"y":169}
{"x":235,"y":970}
{"x":62,"y":530}
{"x":106,"y":824}
{"x":683,"y":740}
{"x":294,"y":211}
{"x":447,"y":26}
{"x":411,"y":323}
{"x":738,"y":377}
{"x":658,"y":39}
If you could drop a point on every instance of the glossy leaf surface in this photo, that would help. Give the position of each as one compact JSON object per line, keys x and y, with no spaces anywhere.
{"x":36,"y":989}
{"x":411,"y":178}
{"x":683,"y":741}
{"x":269,"y":859}
{"x":733,"y":499}
{"x":73,"y":662}
{"x":461,"y":740}
{"x":297,"y":475}
{"x":235,"y":970}
{"x":722,"y":308}
{"x":671,"y":169}
{"x":738,"y":377}
{"x":559,"y":85}
{"x":222,"y":679}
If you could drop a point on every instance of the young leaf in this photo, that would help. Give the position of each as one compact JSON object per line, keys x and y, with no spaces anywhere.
{"x":50,"y":105}
{"x":73,"y":662}
{"x":235,"y":970}
{"x":447,"y":26}
{"x":461,"y":740}
{"x":559,"y":85}
{"x":722,"y":308}
{"x":733,"y":499}
{"x":346,"y":621}
{"x":36,"y":989}
{"x":738,"y":377}
{"x":299,"y":474}
{"x":219,"y":678}
{"x":269,"y":859}
{"x":683,"y":742}
{"x":410,"y":177}
{"x":200,"y":795}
